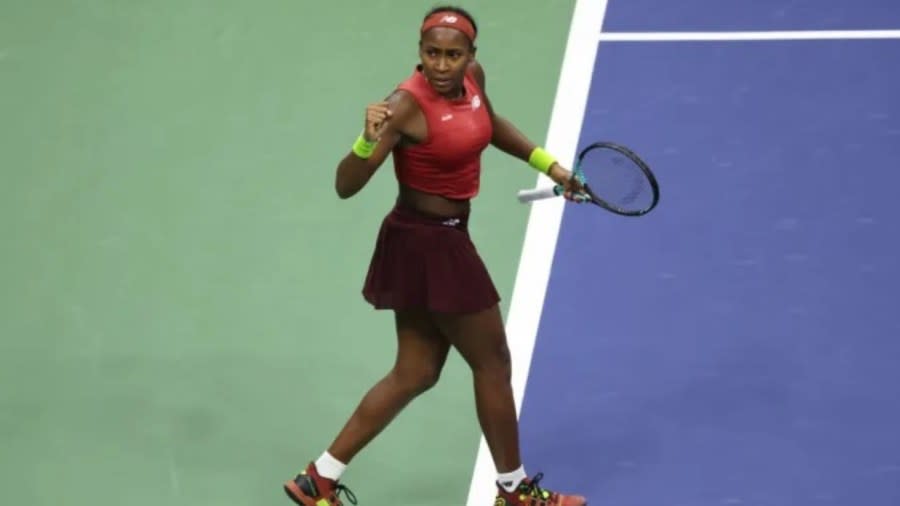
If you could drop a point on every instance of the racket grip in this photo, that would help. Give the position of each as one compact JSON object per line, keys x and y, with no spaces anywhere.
{"x":539,"y":193}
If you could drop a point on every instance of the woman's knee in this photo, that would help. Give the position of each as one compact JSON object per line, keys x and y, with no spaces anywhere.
{"x":493,"y":359}
{"x":421,"y":354}
{"x":503,"y":365}
{"x":418,"y":378}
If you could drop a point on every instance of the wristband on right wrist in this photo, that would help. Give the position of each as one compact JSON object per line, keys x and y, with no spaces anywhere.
{"x":363,"y":148}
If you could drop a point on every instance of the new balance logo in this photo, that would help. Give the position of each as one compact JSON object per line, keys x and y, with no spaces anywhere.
{"x":452,"y":222}
{"x":446,"y":117}
{"x":449,"y":19}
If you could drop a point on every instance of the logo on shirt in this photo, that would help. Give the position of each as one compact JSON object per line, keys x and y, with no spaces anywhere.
{"x":446,"y":117}
{"x":476,"y":102}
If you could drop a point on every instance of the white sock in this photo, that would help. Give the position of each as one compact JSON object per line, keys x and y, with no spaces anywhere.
{"x":509,"y":481}
{"x":330,"y":467}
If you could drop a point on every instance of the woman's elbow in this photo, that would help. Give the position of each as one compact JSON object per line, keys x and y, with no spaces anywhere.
{"x":350,"y":179}
{"x":344,"y":191}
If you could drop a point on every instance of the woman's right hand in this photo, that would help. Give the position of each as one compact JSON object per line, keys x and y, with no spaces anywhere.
{"x":377,"y":117}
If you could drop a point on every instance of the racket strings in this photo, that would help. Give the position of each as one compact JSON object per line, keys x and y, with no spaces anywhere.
{"x":616,"y":179}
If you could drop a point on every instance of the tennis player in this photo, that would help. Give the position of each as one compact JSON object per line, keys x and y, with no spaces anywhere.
{"x":425,"y":268}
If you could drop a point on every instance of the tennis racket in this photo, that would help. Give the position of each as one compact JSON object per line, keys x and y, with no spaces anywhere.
{"x":614,"y":178}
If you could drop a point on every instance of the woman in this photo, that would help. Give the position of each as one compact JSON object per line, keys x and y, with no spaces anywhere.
{"x":424,"y":267}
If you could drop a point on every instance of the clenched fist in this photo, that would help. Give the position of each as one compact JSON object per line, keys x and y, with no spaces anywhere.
{"x":377,"y":117}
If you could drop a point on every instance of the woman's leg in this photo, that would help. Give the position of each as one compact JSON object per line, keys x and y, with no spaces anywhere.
{"x":481,"y":340}
{"x":421,"y":354}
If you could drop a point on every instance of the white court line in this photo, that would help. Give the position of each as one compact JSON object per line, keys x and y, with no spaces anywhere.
{"x":737,"y":36}
{"x":544,"y":219}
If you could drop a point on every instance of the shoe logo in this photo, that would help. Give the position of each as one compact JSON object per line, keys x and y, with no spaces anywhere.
{"x":307,"y":485}
{"x":446,"y":117}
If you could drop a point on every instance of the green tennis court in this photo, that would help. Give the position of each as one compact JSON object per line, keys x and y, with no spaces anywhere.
{"x":181,"y":321}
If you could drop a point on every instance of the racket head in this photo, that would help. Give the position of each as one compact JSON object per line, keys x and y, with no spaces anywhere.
{"x":617,"y":179}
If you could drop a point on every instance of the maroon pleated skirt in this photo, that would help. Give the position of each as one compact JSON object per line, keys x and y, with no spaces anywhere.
{"x":426,"y":262}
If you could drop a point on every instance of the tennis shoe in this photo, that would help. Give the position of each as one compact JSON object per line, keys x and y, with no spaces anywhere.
{"x":311,"y":489}
{"x":529,"y":493}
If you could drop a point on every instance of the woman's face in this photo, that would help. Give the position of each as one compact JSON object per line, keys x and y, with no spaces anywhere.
{"x":445,"y":54}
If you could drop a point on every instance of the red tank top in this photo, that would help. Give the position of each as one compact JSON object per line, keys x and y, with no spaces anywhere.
{"x":448,"y":161}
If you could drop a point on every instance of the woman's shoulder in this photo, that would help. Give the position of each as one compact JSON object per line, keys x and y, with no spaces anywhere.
{"x":403,"y":105}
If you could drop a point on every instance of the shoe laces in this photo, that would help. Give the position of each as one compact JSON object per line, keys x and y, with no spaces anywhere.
{"x":340,"y":487}
{"x":533,"y":488}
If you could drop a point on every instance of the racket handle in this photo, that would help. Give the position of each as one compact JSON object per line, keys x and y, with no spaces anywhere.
{"x":539,"y":193}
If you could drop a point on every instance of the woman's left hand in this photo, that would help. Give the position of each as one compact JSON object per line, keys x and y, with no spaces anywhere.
{"x":573,"y":187}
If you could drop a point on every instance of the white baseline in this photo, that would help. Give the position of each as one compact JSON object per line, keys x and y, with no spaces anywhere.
{"x":746,"y":35}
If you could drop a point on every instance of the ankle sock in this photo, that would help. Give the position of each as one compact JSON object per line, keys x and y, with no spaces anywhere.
{"x":509,"y":481}
{"x":329,"y":467}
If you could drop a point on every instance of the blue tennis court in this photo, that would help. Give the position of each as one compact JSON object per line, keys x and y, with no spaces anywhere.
{"x":738,"y":346}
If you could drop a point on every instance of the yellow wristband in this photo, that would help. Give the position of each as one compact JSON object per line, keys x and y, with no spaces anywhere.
{"x":363,"y":148}
{"x":541,"y":160}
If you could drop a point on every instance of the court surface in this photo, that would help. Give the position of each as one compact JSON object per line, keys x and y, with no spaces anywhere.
{"x":180,"y":313}
{"x":739,"y":345}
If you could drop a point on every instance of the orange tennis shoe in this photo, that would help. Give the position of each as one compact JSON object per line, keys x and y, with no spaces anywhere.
{"x":311,"y":489}
{"x":528,"y":493}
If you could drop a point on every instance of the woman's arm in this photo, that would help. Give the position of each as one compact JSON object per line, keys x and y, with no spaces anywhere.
{"x":510,"y":140}
{"x":385,"y":124}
